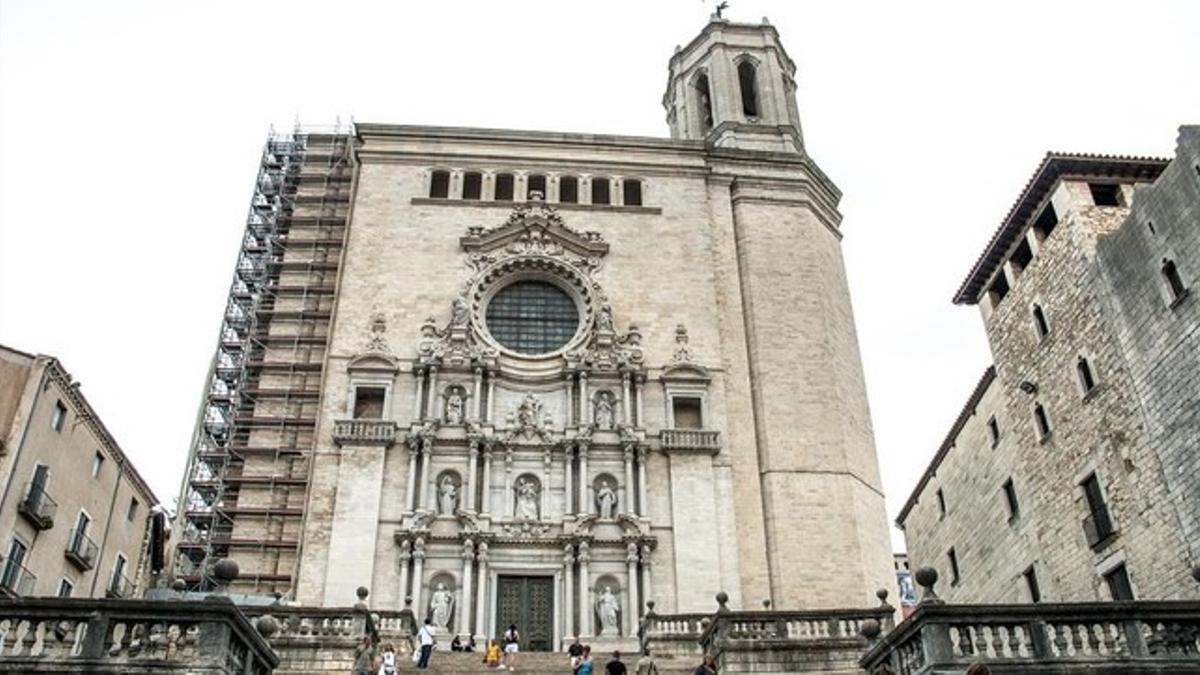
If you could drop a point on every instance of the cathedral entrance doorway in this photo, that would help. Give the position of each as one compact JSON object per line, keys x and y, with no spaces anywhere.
{"x":528,"y":602}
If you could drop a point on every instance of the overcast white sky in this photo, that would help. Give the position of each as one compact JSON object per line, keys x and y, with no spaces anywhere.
{"x":130,"y":135}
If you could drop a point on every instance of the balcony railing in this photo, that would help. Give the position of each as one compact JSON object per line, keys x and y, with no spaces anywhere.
{"x":37,"y":507}
{"x":694,"y":440}
{"x":1098,"y":527}
{"x":81,"y":550}
{"x":16,"y":579}
{"x":364,"y":432}
{"x":120,"y":586}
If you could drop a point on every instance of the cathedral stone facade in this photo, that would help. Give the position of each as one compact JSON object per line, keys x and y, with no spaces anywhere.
{"x":569,"y":375}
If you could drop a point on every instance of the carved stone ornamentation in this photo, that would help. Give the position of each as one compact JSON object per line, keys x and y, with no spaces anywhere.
{"x":683,"y":352}
{"x":376,"y":340}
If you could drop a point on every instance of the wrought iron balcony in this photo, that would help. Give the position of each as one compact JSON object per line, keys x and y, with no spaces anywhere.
{"x":81,"y":550}
{"x":691,"y":440}
{"x":1098,"y":527}
{"x":37,"y":507}
{"x":16,"y":579}
{"x":119,"y":586}
{"x":364,"y":432}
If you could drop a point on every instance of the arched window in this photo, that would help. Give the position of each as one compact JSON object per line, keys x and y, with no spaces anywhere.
{"x":472,"y":185}
{"x":632,"y":192}
{"x":600,"y":190}
{"x":704,"y":101}
{"x":746,"y":81}
{"x":535,"y":183}
{"x":1170,"y":275}
{"x":568,"y":190}
{"x":1087,"y":379}
{"x":504,"y":187}
{"x":439,"y":184}
{"x":1039,"y":322}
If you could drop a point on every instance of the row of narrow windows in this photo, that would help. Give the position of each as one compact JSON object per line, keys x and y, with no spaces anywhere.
{"x":747,"y":75}
{"x":1098,"y":530}
{"x":505,"y":186}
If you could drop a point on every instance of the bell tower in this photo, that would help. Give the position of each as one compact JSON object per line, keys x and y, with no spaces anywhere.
{"x":734,"y":86}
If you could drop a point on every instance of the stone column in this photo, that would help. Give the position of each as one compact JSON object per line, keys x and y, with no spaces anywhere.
{"x":486,"y":492}
{"x":412,"y":478}
{"x":569,"y":389}
{"x":472,"y":465}
{"x":585,"y":506}
{"x":643,"y":455}
{"x":418,"y":577}
{"x":585,"y":404}
{"x":491,"y":390}
{"x":647,"y":574}
{"x":462,"y":619}
{"x":568,"y":494}
{"x":478,"y":402}
{"x":626,"y":401}
{"x":405,"y":557}
{"x":627,"y":504}
{"x":568,"y":591}
{"x":585,"y":590}
{"x":431,"y":411}
{"x":637,"y":398}
{"x":635,"y":609}
{"x":426,"y":488}
{"x":481,"y":595}
{"x":546,"y":466}
{"x":420,"y":375}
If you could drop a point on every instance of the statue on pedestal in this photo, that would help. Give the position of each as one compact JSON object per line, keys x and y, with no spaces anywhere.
{"x":447,"y":495}
{"x":441,"y":605}
{"x":606,"y":499}
{"x":608,"y":608}
{"x":527,"y":499}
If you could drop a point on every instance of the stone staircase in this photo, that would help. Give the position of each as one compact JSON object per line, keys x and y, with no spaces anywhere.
{"x":535,"y":662}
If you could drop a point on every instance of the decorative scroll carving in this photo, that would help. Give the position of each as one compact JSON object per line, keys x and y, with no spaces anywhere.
{"x":376,"y":341}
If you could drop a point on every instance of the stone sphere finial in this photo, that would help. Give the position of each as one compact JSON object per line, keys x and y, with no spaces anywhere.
{"x":882,"y":594}
{"x":225,"y":571}
{"x":871,"y":629}
{"x":766,"y":604}
{"x":266,"y":625}
{"x":362,"y":594}
{"x":179,"y":585}
{"x":408,"y":602}
{"x":927,"y":577}
{"x":722,"y":598}
{"x":649,"y":608}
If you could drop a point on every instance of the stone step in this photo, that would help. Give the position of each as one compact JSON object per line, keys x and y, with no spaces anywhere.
{"x":526,"y":662}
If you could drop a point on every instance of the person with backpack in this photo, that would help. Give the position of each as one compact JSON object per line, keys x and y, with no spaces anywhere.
{"x":512,"y":645}
{"x":387,"y":664}
{"x":426,"y":638}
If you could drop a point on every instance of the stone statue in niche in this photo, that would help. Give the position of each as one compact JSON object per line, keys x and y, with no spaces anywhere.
{"x":447,"y":495}
{"x":602,"y":413}
{"x":606,"y":500}
{"x":459,"y":313}
{"x":529,"y":413}
{"x":604,"y":319}
{"x":608,"y":608}
{"x":454,"y":406}
{"x":527,"y":499}
{"x":441,"y":605}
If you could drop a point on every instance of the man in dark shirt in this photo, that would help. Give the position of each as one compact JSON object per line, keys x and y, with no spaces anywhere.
{"x":615,"y":667}
{"x":575,"y":651}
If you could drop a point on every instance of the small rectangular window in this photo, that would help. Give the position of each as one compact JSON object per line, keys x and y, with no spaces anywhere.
{"x":504,"y":187}
{"x":1087,"y":379}
{"x":1010,"y":497}
{"x":1106,"y":194}
{"x":133,"y":507}
{"x":993,"y":430}
{"x":600,"y":190}
{"x":941,"y":500}
{"x":954,"y":574}
{"x":59,"y":416}
{"x":687,"y":413}
{"x":439,"y":185}
{"x":1040,"y":325}
{"x":368,"y":403}
{"x":1031,"y":584}
{"x":1097,"y":524}
{"x":632,"y":192}
{"x":568,"y":190}
{"x":1041,"y":421}
{"x":65,"y":588}
{"x":1118,"y":584}
{"x":536,"y":183}
{"x":472,"y":185}
{"x":97,"y":464}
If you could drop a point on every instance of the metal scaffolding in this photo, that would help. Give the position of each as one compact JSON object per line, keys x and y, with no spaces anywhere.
{"x":248,"y":470}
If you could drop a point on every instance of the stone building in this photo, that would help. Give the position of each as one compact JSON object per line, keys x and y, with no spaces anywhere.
{"x":1071,"y":473}
{"x":74,"y":512}
{"x":544,"y":378}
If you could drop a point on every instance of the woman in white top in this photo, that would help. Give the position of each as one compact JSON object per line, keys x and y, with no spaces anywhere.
{"x":388,"y":664}
{"x":512,"y":645}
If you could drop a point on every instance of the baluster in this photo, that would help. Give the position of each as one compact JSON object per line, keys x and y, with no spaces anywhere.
{"x":982,"y":638}
{"x":1093,"y":640}
{"x":117,"y":635}
{"x":1059,"y":640}
{"x":1076,"y":638}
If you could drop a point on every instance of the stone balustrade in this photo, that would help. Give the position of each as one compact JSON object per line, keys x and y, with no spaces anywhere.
{"x":1133,"y":637}
{"x":695,"y":440}
{"x":328,"y":639}
{"x":364,"y":432}
{"x":108,"y":637}
{"x":673,"y":635}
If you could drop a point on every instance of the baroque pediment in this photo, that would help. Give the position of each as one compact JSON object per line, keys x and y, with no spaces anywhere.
{"x":534,"y":228}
